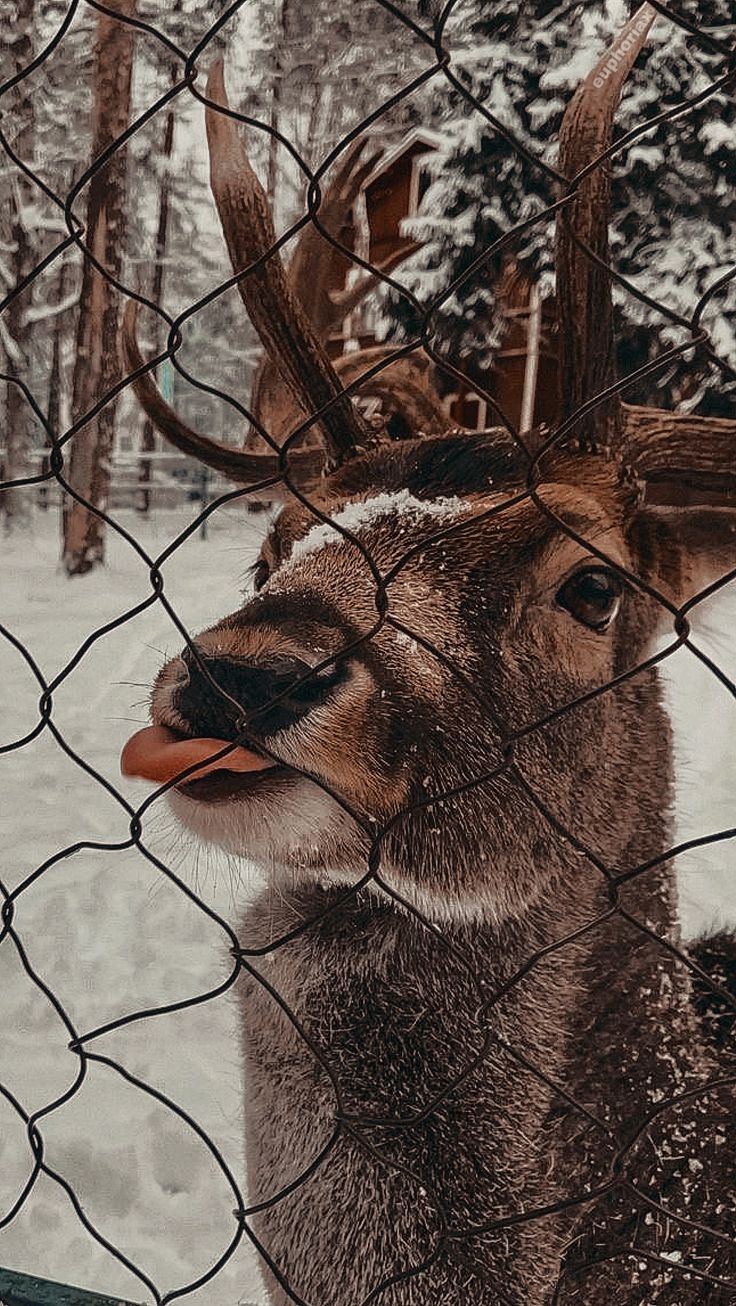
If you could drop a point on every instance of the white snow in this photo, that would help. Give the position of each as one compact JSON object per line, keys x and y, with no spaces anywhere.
{"x":111,"y":935}
{"x":362,"y":513}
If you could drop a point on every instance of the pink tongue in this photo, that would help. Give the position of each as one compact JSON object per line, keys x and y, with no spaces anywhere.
{"x":158,"y":754}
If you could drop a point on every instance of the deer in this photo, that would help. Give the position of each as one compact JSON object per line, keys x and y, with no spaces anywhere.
{"x":475,"y":1066}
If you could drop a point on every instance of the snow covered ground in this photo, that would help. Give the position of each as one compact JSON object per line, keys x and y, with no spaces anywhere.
{"x":110,"y":934}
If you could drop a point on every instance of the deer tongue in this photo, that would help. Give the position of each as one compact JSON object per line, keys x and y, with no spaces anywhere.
{"x":159,"y":754}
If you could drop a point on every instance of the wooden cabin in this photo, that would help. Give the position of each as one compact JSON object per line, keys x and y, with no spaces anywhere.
{"x":524,"y":376}
{"x":375,"y":231}
{"x":394,"y":191}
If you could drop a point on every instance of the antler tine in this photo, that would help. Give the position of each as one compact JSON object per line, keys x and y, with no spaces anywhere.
{"x":318,"y":270}
{"x":316,"y":266}
{"x":676,"y":450}
{"x":305,"y":465}
{"x":346,"y":301}
{"x":275,"y":311}
{"x":669,"y":450}
{"x":316,"y":274}
{"x":588,"y":363}
{"x":403,"y":387}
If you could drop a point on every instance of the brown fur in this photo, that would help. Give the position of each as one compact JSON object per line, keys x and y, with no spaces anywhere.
{"x":459,"y":1116}
{"x":475,"y":1048}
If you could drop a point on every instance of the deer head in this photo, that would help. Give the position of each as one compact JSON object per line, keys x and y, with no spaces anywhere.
{"x":444,"y":616}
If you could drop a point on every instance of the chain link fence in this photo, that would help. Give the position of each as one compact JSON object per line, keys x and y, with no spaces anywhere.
{"x":627,"y":1223}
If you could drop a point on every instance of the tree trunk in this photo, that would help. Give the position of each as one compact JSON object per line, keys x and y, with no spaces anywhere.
{"x":97,"y":366}
{"x":54,"y":407}
{"x":148,"y":441}
{"x":19,"y":422}
{"x":275,"y":115}
{"x":56,"y":384}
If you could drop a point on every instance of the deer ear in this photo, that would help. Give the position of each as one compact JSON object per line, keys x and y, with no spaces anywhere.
{"x":683,"y":551}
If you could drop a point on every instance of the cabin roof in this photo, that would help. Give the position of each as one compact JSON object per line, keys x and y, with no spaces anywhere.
{"x":418,"y":140}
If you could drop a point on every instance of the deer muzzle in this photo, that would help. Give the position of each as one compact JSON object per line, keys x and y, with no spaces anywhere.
{"x":203,"y":714}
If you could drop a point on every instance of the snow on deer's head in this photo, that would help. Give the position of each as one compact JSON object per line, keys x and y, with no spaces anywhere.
{"x":420,"y":632}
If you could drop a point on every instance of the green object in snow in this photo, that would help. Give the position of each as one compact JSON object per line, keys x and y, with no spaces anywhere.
{"x":27,"y":1290}
{"x":166,"y":375}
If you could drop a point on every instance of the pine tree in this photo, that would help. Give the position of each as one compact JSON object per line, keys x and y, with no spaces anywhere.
{"x":672,"y":233}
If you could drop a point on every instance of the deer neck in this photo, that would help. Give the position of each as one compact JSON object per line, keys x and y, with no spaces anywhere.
{"x":477,"y":1055}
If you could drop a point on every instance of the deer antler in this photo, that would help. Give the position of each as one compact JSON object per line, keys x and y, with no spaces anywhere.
{"x":588,"y":364}
{"x":275,"y":311}
{"x":317,"y":275}
{"x":655,"y":444}
{"x":680,"y":449}
{"x":290,"y":312}
{"x":242,"y":467}
{"x":317,"y":269}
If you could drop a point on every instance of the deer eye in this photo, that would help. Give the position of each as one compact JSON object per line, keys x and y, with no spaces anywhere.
{"x":260,"y":572}
{"x":592,"y":596}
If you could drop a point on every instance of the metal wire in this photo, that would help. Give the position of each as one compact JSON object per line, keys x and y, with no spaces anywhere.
{"x":611,"y":1180}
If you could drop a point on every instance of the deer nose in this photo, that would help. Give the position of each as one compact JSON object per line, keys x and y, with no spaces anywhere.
{"x":222,"y":691}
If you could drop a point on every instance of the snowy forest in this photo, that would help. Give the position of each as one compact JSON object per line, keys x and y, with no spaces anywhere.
{"x":311,"y":75}
{"x":123,"y":960}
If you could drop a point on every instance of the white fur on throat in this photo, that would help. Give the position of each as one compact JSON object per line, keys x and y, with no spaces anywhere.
{"x":300,"y":835}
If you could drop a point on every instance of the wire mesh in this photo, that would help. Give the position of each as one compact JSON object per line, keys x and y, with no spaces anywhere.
{"x":619,"y":1223}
